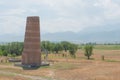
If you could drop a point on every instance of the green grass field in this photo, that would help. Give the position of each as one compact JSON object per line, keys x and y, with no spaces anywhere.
{"x":107,"y":47}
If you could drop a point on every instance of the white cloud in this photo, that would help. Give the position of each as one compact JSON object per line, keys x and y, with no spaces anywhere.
{"x":13,"y":12}
{"x":60,"y":24}
{"x":12,"y":25}
{"x":75,"y":25}
{"x":58,"y":15}
{"x":111,"y":9}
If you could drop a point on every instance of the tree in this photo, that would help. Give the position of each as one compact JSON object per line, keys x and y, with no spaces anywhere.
{"x":1,"y":53}
{"x":14,"y":48}
{"x":46,"y":45}
{"x":72,"y":50}
{"x":4,"y":50}
{"x":88,"y":50}
{"x":66,"y":45}
{"x":58,"y":47}
{"x":11,"y":48}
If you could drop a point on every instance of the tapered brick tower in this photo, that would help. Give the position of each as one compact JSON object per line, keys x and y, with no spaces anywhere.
{"x":31,"y":53}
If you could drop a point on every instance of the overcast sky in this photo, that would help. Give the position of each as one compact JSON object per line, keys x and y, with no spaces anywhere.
{"x":58,"y":15}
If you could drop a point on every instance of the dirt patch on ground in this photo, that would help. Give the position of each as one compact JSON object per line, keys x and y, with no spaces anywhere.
{"x":94,"y":71}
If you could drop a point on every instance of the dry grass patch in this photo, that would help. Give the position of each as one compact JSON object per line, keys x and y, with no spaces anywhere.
{"x":75,"y":69}
{"x":11,"y":77}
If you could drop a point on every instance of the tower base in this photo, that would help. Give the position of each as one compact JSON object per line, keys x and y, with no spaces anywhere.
{"x":27,"y":67}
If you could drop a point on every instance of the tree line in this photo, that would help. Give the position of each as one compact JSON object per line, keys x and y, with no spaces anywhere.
{"x":11,"y":49}
{"x":16,"y":48}
{"x":58,"y":47}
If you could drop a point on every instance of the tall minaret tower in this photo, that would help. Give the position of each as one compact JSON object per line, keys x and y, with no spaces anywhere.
{"x":31,"y":52}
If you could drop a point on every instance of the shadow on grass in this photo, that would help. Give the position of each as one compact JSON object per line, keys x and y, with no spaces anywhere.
{"x":90,"y":58}
{"x":31,"y":67}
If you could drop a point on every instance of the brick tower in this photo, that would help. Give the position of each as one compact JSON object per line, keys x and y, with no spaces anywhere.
{"x":31,"y":53}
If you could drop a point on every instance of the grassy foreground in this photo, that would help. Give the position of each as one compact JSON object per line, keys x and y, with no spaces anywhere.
{"x":67,"y":68}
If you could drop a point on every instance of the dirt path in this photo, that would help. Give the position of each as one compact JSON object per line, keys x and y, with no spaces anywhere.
{"x":25,"y":76}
